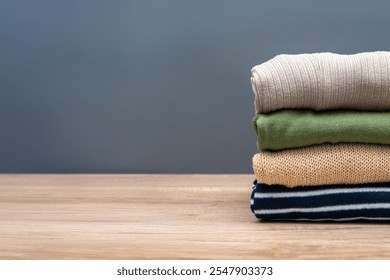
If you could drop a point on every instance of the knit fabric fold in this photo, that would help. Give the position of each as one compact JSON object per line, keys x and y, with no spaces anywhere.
{"x":324,"y":165}
{"x":323,"y":81}
{"x":299,"y":128}
{"x":322,"y":203}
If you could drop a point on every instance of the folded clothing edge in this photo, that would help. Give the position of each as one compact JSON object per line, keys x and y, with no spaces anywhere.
{"x":366,"y":202}
{"x":324,"y":164}
{"x":285,"y":129}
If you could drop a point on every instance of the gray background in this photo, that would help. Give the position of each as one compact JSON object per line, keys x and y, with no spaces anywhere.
{"x":153,"y":86}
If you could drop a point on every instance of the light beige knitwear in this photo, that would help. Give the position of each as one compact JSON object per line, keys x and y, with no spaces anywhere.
{"x":324,"y":165}
{"x":323,"y":81}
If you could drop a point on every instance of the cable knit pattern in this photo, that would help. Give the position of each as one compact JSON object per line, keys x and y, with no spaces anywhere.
{"x":323,"y":81}
{"x":324,"y":165}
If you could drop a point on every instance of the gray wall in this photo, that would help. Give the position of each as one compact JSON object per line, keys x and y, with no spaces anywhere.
{"x":153,"y":86}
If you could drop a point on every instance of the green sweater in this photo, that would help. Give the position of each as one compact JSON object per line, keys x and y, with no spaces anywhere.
{"x":299,"y":128}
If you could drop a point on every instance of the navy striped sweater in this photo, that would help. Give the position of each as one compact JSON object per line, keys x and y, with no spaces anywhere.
{"x":322,"y":203}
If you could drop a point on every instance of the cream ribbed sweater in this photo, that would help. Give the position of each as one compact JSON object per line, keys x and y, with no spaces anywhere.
{"x":323,"y":81}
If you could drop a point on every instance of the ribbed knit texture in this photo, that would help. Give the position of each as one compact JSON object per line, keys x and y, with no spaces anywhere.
{"x":323,"y":81}
{"x":299,"y":128}
{"x":324,"y":165}
{"x":322,"y":203}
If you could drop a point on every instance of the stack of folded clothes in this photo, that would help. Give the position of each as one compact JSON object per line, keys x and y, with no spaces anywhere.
{"x":323,"y":126}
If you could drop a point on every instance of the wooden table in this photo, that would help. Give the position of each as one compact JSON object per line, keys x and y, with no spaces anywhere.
{"x":162,"y":217}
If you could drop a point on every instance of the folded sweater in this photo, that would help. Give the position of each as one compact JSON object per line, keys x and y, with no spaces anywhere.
{"x":323,"y":81}
{"x":299,"y":128}
{"x":324,"y":165}
{"x":322,"y":203}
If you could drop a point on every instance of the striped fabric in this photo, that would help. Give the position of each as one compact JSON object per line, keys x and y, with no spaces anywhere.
{"x":322,"y":203}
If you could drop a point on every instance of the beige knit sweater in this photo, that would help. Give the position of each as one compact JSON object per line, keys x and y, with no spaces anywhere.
{"x":324,"y":165}
{"x":323,"y":81}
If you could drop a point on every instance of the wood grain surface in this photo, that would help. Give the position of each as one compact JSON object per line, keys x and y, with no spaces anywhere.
{"x":163,"y":217}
